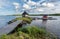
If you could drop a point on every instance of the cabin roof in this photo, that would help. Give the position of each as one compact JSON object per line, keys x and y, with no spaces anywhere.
{"x":24,"y":13}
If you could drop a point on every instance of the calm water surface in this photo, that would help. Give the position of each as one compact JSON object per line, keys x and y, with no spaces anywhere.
{"x":5,"y":19}
{"x":52,"y":26}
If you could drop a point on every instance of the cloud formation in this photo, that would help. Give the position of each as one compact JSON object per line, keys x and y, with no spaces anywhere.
{"x":26,"y":6}
{"x":50,"y":5}
{"x":36,"y":6}
{"x":39,"y":9}
{"x":30,"y":5}
{"x":17,"y":6}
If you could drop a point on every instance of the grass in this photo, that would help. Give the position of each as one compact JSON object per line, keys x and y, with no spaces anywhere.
{"x":30,"y":32}
{"x":25,"y":19}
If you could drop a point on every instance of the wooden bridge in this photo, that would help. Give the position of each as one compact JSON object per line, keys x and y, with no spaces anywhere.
{"x":8,"y":28}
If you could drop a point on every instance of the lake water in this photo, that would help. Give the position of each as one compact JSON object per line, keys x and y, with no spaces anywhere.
{"x":51,"y":25}
{"x":5,"y":19}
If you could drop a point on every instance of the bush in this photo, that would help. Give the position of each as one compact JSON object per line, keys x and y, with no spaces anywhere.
{"x":37,"y":33}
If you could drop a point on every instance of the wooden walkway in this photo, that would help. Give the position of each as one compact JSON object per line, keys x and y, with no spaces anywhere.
{"x":8,"y":28}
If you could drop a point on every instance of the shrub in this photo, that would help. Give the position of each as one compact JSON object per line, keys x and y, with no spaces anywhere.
{"x":36,"y":32}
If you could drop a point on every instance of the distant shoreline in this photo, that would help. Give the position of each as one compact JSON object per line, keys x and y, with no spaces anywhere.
{"x":35,"y":15}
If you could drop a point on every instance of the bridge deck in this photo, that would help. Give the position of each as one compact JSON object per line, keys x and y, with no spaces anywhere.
{"x":9,"y":28}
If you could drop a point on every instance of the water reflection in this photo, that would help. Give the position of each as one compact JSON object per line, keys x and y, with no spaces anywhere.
{"x":44,"y":24}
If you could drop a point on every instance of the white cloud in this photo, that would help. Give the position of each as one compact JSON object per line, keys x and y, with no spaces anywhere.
{"x":17,"y":5}
{"x":37,"y":6}
{"x":44,"y":4}
{"x":26,"y":6}
{"x":50,"y":5}
{"x":31,"y":3}
{"x":39,"y":9}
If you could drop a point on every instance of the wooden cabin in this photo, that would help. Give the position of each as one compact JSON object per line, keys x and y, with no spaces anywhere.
{"x":25,"y":14}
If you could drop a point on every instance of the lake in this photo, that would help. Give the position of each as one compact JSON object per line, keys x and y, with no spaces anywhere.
{"x":52,"y":26}
{"x":5,"y":19}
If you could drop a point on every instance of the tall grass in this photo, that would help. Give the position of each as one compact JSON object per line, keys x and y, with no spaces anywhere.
{"x":37,"y":33}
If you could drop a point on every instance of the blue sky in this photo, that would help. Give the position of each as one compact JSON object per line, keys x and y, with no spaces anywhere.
{"x":8,"y":7}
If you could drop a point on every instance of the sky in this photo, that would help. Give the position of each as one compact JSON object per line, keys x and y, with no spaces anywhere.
{"x":8,"y":7}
